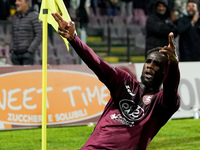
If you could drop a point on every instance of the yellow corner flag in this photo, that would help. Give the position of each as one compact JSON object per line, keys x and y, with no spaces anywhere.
{"x":59,"y":7}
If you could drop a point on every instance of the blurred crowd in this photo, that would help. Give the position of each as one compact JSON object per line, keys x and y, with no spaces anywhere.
{"x":158,"y":17}
{"x":111,"y":8}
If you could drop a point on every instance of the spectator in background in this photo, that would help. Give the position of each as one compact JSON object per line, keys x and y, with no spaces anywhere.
{"x":26,"y":34}
{"x":82,"y":17}
{"x":94,"y":5}
{"x":112,"y":8}
{"x":189,"y":30}
{"x":102,"y":7}
{"x":126,"y":8}
{"x":82,"y":13}
{"x":4,"y":13}
{"x":4,"y":9}
{"x":159,"y":25}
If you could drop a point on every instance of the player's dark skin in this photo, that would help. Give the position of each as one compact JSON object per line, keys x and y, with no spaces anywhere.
{"x":155,"y":66}
{"x":153,"y":71}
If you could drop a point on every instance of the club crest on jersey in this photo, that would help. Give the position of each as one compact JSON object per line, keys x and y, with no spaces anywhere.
{"x":147,"y":99}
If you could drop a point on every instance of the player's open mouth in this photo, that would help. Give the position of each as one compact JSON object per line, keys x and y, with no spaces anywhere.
{"x":148,"y":75}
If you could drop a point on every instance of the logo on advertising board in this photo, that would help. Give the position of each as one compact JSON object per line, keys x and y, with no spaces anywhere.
{"x":71,"y":97}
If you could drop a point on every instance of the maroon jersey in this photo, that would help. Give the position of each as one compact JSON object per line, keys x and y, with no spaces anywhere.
{"x":132,"y":116}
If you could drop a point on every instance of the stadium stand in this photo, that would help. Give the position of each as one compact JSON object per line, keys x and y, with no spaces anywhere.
{"x":116,"y":40}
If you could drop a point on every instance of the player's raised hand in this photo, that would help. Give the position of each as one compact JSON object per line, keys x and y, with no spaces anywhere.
{"x":65,"y":29}
{"x":170,"y":50}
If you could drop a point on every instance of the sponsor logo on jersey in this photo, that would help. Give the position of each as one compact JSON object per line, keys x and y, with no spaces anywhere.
{"x":119,"y":118}
{"x":131,"y":111}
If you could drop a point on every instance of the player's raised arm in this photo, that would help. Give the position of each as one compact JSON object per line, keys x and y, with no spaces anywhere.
{"x":101,"y":68}
{"x":170,"y":50}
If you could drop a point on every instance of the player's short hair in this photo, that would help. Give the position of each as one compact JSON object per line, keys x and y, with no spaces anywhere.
{"x":154,"y":50}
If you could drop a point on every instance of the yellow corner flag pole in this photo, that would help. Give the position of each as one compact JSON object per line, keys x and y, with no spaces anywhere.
{"x":44,"y":74}
{"x":45,"y":15}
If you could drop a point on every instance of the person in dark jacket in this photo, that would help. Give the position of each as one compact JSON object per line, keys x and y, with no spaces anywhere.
{"x":82,"y":14}
{"x":4,"y":9}
{"x":189,"y":30}
{"x":159,"y":25}
{"x":112,"y":8}
{"x":26,"y":34}
{"x":136,"y":110}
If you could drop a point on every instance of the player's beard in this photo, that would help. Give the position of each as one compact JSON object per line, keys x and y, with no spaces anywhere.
{"x":154,"y":83}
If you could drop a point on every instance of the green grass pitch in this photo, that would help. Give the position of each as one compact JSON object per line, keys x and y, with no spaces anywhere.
{"x":181,"y":134}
